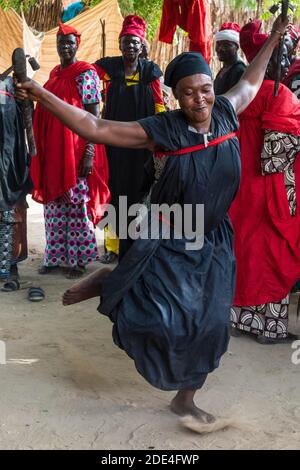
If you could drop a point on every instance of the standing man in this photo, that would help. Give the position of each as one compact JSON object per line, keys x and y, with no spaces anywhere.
{"x":227,"y":46}
{"x":132,"y":92}
{"x":15,"y":183}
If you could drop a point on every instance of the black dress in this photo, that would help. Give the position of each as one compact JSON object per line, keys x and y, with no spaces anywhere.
{"x":224,"y":82}
{"x":130,"y":170}
{"x":170,"y":306}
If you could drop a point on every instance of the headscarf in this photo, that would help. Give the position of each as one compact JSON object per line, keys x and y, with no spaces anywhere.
{"x":229,"y":32}
{"x":134,"y":25}
{"x":294,"y":33}
{"x":184,"y":65}
{"x":64,"y":30}
{"x":251,"y":39}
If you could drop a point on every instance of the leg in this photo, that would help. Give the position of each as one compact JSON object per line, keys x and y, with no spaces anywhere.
{"x":14,"y":273}
{"x":183,"y":404}
{"x":88,"y":288}
{"x":111,"y":247}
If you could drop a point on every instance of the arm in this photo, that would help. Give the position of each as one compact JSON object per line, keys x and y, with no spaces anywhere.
{"x":246,"y":89}
{"x":83,"y":123}
{"x":87,"y":161}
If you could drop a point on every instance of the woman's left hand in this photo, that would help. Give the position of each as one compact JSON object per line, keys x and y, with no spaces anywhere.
{"x":86,"y":166}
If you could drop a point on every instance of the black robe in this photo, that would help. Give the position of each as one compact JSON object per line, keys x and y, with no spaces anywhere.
{"x":15,"y":181}
{"x":171,"y":306}
{"x":130,"y":171}
{"x":226,"y":81}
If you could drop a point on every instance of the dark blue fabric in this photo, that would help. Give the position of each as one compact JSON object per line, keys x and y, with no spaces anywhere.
{"x":15,"y":180}
{"x":170,"y":306}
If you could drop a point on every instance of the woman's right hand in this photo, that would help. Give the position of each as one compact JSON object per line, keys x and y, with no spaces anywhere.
{"x":29,"y":90}
{"x":279,"y":25}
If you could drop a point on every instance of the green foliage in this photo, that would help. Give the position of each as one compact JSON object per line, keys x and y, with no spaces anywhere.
{"x":17,"y":4}
{"x":243,"y":4}
{"x":264,"y":6}
{"x":150,"y":10}
{"x":268,"y":3}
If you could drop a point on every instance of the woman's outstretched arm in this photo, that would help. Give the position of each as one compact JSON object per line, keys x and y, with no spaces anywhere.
{"x":91,"y":128}
{"x":246,"y":89}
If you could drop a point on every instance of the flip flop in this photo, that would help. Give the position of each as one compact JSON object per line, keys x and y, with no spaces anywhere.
{"x":11,"y":285}
{"x":36,"y":294}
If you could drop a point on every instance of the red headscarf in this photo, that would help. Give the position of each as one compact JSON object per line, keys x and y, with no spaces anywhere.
{"x":64,"y":30}
{"x":251,"y":40}
{"x":294,"y":33}
{"x":134,"y":25}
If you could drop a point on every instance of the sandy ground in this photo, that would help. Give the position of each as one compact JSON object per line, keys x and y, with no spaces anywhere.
{"x":66,"y":386}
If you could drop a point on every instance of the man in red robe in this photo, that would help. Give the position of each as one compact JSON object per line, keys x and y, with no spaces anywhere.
{"x":266,"y":211}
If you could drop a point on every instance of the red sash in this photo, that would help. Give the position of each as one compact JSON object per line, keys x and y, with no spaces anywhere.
{"x":194,"y":148}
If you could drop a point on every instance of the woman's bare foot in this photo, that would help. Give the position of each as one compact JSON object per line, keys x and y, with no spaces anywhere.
{"x":86,"y":289}
{"x":183,"y":404}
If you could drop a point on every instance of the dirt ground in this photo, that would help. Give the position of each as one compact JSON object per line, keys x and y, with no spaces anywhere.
{"x":67,"y":386}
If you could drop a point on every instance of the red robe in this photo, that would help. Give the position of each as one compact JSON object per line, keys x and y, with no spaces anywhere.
{"x":267,"y":237}
{"x":193,"y":16}
{"x":59,"y":150}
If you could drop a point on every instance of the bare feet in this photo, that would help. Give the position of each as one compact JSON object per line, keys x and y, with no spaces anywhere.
{"x":86,"y":289}
{"x":183,"y":405}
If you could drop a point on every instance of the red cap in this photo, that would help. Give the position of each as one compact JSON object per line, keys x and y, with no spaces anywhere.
{"x":64,"y":30}
{"x":251,"y":39}
{"x":229,"y":32}
{"x":232,"y":26}
{"x":294,"y":33}
{"x":134,"y":25}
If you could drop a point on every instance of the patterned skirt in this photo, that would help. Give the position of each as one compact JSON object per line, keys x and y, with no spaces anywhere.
{"x":269,"y":320}
{"x":70,"y":234}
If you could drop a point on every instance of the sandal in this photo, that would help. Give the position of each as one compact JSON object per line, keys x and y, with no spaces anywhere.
{"x":108,"y":257}
{"x":36,"y":294}
{"x":288,"y":339}
{"x":11,"y":285}
{"x":76,"y":272}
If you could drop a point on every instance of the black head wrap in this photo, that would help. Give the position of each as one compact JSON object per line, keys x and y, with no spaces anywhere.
{"x":184,"y":65}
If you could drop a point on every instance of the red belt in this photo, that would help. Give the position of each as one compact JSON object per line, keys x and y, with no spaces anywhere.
{"x":218,"y":140}
{"x":2,"y":92}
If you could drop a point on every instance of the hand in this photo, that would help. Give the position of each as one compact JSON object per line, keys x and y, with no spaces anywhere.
{"x":86,"y":166}
{"x":279,"y":26}
{"x":29,"y":90}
